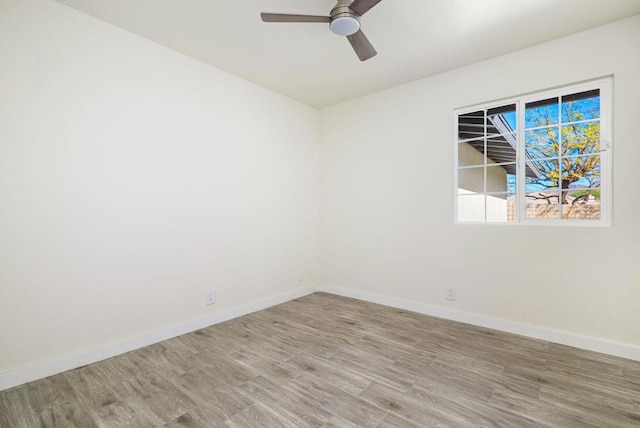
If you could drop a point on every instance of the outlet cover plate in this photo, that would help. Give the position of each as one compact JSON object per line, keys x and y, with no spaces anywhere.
{"x":450,"y":293}
{"x":211,"y":297}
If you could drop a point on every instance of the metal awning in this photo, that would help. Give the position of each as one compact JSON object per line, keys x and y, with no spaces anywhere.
{"x":500,"y":137}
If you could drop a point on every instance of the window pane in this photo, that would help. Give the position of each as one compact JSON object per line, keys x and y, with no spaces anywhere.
{"x":541,"y":113}
{"x":471,"y":207}
{"x":582,"y":205}
{"x":542,"y":205}
{"x":581,"y":106}
{"x":498,"y":177}
{"x":542,"y":143}
{"x":581,"y":138}
{"x":581,"y":172}
{"x":501,"y":207}
{"x":501,"y":148}
{"x":512,"y":183}
{"x":471,"y":180}
{"x":501,"y":120}
{"x":542,"y":174}
{"x":471,"y":153}
{"x":471,"y":125}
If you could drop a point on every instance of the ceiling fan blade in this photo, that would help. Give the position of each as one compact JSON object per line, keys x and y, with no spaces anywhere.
{"x":283,"y":17}
{"x":363,"y":47}
{"x":363,"y":6}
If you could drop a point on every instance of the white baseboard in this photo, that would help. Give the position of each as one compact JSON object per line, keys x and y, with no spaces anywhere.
{"x":562,"y":337}
{"x":72,"y":361}
{"x":79,"y":359}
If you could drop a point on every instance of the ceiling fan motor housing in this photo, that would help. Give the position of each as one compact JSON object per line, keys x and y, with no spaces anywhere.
{"x":344,"y":21}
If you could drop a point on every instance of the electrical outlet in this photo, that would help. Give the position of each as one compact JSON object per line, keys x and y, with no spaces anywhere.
{"x":450,"y":293}
{"x":211,"y":297}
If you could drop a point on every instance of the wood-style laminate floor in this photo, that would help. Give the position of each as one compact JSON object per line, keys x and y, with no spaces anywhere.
{"x":328,"y":361}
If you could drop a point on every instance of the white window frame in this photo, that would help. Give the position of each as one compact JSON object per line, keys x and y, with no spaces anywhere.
{"x":605,"y":85}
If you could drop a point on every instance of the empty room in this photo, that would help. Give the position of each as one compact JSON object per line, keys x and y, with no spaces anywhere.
{"x":321,"y":213}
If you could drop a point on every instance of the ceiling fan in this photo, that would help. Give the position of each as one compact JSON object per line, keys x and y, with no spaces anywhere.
{"x":343,"y":20}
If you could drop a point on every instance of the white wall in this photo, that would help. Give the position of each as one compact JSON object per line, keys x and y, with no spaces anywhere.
{"x":387,"y":200}
{"x":471,"y":182}
{"x":133,"y":179}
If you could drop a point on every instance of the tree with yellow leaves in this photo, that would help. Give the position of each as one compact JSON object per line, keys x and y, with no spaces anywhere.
{"x":566,"y":153}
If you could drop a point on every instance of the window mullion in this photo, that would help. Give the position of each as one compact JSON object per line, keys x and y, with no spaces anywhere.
{"x":560,"y":144}
{"x":521,"y":168}
{"x":485,"y":180}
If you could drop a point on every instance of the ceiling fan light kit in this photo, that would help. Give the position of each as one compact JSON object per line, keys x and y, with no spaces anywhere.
{"x":344,"y":20}
{"x":345,"y":26}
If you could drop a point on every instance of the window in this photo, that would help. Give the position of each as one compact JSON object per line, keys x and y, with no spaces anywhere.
{"x":537,"y":159}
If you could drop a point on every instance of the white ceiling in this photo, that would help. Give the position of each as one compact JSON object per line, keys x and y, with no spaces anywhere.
{"x":414,"y":38}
